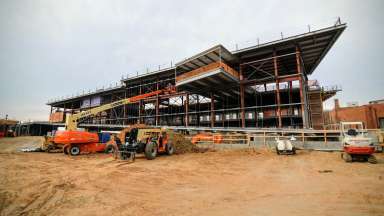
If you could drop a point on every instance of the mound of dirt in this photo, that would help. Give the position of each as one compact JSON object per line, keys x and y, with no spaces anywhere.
{"x":16,"y":144}
{"x":183,"y":145}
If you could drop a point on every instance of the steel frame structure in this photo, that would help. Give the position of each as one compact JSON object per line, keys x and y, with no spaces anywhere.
{"x":261,"y":86}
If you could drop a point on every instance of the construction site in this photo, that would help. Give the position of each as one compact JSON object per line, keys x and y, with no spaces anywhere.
{"x":219,"y":133}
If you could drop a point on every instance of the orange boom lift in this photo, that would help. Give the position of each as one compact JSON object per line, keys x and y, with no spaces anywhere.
{"x":74,"y":142}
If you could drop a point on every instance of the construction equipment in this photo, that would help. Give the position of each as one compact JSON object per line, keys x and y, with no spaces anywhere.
{"x":141,"y":139}
{"x":356,"y":144}
{"x":285,"y":146}
{"x":74,"y":142}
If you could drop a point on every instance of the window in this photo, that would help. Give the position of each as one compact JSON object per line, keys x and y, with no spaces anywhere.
{"x":249,"y":115}
{"x":234,"y":116}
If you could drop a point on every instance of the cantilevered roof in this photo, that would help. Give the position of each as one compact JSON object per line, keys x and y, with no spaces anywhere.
{"x":214,"y":54}
{"x":313,"y":46}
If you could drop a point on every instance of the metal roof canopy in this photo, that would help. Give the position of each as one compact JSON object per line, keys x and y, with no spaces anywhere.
{"x":216,"y":77}
{"x":313,"y":46}
{"x":211,"y":80}
{"x":214,"y":54}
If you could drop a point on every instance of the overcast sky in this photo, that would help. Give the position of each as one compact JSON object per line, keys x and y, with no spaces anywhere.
{"x":58,"y":48}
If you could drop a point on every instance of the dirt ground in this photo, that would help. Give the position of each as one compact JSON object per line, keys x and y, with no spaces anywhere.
{"x":211,"y":183}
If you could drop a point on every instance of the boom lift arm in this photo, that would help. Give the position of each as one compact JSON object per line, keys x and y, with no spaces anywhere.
{"x":73,"y":120}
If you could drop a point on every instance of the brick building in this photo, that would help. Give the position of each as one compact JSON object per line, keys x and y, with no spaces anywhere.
{"x":372,"y":114}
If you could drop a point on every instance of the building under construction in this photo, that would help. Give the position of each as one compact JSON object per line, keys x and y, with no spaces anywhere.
{"x":265,"y":85}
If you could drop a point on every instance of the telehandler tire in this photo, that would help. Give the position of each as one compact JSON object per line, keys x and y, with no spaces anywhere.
{"x":151,"y":150}
{"x":169,"y":149}
{"x":109,"y":149}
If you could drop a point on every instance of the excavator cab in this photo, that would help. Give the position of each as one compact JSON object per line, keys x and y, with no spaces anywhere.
{"x":131,"y":136}
{"x":127,"y":148}
{"x":357,"y":145}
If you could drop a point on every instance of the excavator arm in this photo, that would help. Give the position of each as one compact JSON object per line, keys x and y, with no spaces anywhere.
{"x":73,"y":120}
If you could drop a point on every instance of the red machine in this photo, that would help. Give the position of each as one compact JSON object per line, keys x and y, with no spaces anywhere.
{"x":75,"y":142}
{"x":356,"y":144}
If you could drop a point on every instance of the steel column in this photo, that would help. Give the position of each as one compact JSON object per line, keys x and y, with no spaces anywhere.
{"x":125,"y":109}
{"x":242,"y":103}
{"x":212,"y":110}
{"x":277,"y":90}
{"x":140,"y":104}
{"x":187,"y":110}
{"x":198,"y":108}
{"x":299,"y":71}
{"x":157,"y":111}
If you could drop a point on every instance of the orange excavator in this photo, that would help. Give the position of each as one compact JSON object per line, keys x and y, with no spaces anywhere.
{"x":75,"y":142}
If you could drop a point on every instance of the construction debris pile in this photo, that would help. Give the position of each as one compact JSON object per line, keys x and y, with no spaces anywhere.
{"x":183,"y":145}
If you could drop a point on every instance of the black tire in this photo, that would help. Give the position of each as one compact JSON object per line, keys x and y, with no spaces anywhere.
{"x":372,"y":159}
{"x":347,"y":157}
{"x":109,"y":149}
{"x":277,"y":151}
{"x":74,"y":150}
{"x":151,"y":150}
{"x":169,"y":149}
{"x":125,"y":155}
{"x":293,"y":150}
{"x":65,"y":150}
{"x":50,"y":148}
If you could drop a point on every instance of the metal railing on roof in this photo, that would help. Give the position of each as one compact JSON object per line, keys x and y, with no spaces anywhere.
{"x":86,"y":93}
{"x":268,"y":37}
{"x":149,"y":70}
